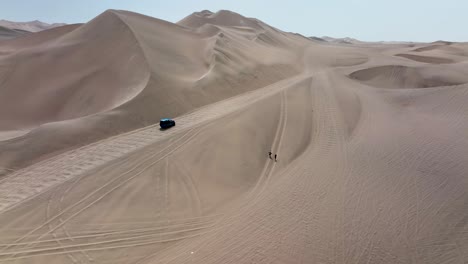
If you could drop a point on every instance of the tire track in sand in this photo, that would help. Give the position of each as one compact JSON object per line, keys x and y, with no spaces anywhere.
{"x":261,"y":184}
{"x":48,"y":209}
{"x":191,"y":190}
{"x":201,"y":222}
{"x":60,"y":202}
{"x":220,"y":225}
{"x":144,"y":240}
{"x":116,"y":180}
{"x":271,"y":164}
{"x":27,"y":183}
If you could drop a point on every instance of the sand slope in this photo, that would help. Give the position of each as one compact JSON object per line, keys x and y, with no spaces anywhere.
{"x":371,"y":146}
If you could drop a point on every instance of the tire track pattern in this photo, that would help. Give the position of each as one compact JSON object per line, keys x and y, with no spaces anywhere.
{"x":276,"y":148}
{"x":100,"y":193}
{"x":27,"y":183}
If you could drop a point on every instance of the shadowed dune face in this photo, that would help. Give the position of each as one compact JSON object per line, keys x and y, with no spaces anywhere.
{"x":426,"y":59}
{"x":401,"y":77}
{"x":6,"y":33}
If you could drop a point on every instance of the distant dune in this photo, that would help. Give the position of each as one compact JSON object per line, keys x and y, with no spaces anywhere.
{"x":426,"y":59}
{"x":286,"y":148}
{"x":221,"y":18}
{"x":317,"y":39}
{"x":406,"y":77}
{"x":6,"y":33}
{"x":32,"y":26}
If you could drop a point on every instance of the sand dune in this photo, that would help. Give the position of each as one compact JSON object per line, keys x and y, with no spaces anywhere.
{"x":405,"y":77}
{"x":32,"y":26}
{"x":433,"y":47}
{"x":370,"y":167}
{"x":220,"y":18}
{"x":6,"y":33}
{"x":426,"y":59}
{"x":73,"y":84}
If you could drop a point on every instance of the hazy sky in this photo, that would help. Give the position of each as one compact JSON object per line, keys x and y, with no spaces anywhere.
{"x":415,"y":20}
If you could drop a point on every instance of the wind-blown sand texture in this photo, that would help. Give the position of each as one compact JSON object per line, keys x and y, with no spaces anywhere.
{"x":371,"y":140}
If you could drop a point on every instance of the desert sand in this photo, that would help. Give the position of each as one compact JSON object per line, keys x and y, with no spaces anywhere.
{"x":371,"y":140}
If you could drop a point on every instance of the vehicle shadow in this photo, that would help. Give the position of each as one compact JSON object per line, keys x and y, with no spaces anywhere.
{"x":164,"y":129}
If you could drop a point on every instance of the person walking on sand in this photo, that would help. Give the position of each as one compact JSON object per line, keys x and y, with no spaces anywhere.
{"x":269,"y":154}
{"x":275,"y":158}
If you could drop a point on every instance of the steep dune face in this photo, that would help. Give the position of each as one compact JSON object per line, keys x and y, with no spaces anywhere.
{"x":91,"y":69}
{"x":196,"y":66}
{"x":171,"y":51}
